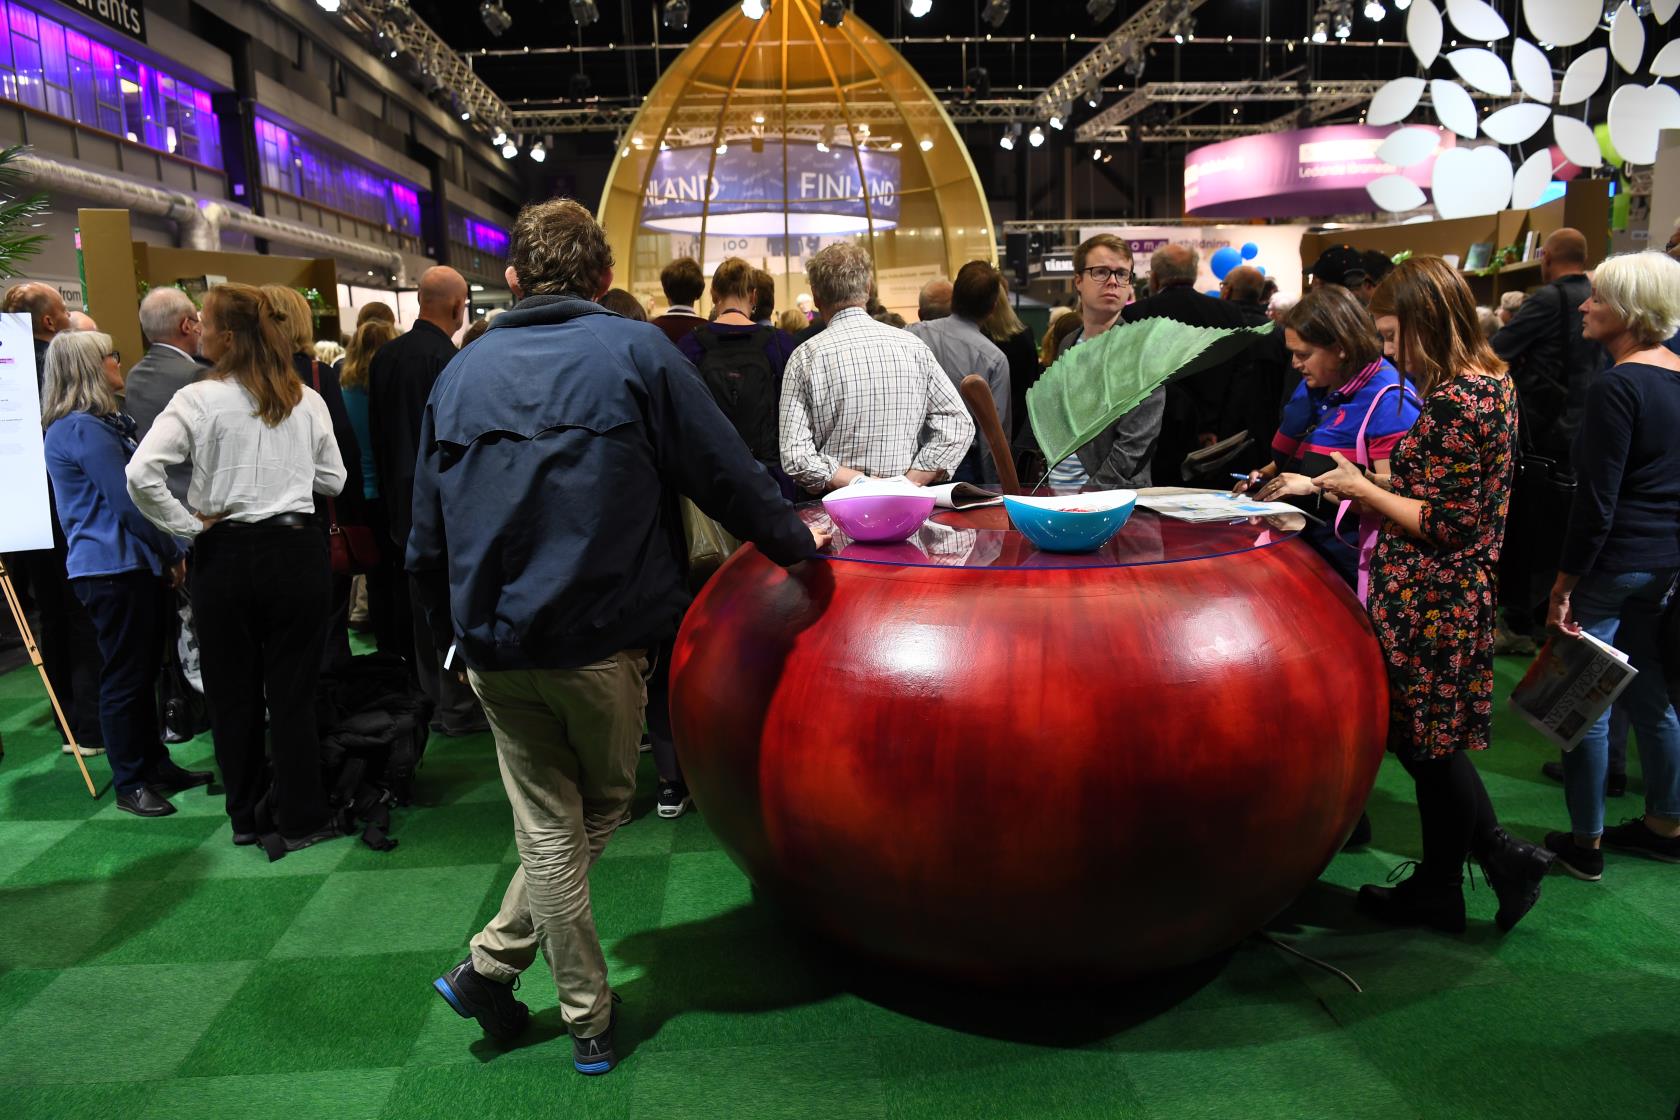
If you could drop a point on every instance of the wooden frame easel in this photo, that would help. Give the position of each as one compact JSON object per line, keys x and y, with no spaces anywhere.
{"x":34,"y":652}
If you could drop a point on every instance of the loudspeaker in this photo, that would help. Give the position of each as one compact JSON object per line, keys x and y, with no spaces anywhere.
{"x":1016,"y":249}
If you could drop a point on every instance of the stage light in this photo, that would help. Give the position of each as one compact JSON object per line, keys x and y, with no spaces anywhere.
{"x":500,"y":138}
{"x":1093,"y":97}
{"x":1058,"y":118}
{"x":466,"y":114}
{"x":579,"y":86}
{"x":1036,"y":137}
{"x":1402,"y":5}
{"x":1375,"y":11}
{"x":995,"y":12}
{"x":723,"y":149}
{"x":509,"y":150}
{"x":538,"y":152}
{"x":925,"y":143}
{"x":1007,"y":140}
{"x":754,"y":9}
{"x":1344,"y":23}
{"x":1100,"y":10}
{"x":1321,"y":30}
{"x":977,"y":83}
{"x":495,"y":17}
{"x":918,"y":8}
{"x":399,"y":13}
{"x":822,"y":146}
{"x":676,"y":15}
{"x":832,"y":12}
{"x":1096,"y":155}
{"x":584,"y":12}
{"x":328,"y":6}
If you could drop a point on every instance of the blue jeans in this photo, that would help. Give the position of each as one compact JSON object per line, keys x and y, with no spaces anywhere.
{"x":1624,"y":609}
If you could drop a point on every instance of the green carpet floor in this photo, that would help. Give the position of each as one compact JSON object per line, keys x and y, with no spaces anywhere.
{"x":148,"y":969}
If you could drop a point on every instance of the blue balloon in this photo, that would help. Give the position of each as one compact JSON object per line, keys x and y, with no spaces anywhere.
{"x":1250,"y":251}
{"x":1214,"y":292}
{"x":1224,"y":260}
{"x":1262,"y":270}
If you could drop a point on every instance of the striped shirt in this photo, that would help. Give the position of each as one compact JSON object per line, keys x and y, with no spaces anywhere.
{"x":1318,"y":421}
{"x":870,"y":397}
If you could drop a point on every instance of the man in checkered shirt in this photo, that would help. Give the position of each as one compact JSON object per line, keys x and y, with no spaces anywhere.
{"x":863,"y":399}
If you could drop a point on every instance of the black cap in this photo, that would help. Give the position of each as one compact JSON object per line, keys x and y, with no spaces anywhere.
{"x":1333,"y":265}
{"x":1375,"y":265}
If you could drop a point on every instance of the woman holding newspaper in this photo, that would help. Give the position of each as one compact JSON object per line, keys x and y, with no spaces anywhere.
{"x":1432,"y":594}
{"x":1622,"y":553}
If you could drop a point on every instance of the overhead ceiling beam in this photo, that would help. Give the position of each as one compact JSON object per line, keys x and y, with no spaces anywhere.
{"x":1148,"y":23}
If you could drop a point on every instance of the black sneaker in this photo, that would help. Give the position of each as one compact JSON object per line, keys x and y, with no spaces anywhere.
{"x":595,"y":1054}
{"x":673,"y":800}
{"x":1633,"y":836}
{"x":1514,"y":869}
{"x":1415,"y":901}
{"x":1583,"y":863}
{"x":476,"y":997}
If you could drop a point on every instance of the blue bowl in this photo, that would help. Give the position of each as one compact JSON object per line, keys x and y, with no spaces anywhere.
{"x":1071,"y":522}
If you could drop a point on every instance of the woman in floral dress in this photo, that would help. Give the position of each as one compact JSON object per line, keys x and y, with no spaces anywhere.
{"x":1433,"y":594}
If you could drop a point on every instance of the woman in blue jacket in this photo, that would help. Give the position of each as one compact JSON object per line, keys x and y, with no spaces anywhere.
{"x":118,"y":563}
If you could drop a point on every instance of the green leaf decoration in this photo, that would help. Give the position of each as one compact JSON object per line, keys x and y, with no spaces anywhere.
{"x":17,"y":216}
{"x":1097,"y":382}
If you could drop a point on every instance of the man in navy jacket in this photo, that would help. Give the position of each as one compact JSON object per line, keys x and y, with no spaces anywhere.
{"x":549,"y":547}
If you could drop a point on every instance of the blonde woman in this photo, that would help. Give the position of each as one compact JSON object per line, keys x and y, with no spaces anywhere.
{"x":118,"y":562}
{"x":262,"y":447}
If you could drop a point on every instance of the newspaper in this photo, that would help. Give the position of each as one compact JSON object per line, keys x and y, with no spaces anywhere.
{"x":1214,"y":505}
{"x":1572,"y":682}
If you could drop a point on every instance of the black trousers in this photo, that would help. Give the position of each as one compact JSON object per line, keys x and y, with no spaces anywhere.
{"x":387,"y":589}
{"x":63,"y":630}
{"x":261,"y":596}
{"x":659,"y":713}
{"x":127,"y":610}
{"x":1457,"y":817}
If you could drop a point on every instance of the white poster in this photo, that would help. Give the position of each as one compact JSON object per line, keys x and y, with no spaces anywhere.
{"x":25,"y":511}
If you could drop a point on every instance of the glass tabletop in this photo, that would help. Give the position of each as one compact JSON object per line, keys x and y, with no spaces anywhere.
{"x":984,"y":538}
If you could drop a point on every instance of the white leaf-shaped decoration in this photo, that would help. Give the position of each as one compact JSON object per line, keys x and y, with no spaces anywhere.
{"x":1516,"y":123}
{"x":1482,"y":69}
{"x":1563,"y":23}
{"x":1627,"y":38}
{"x":1533,"y":70}
{"x":1394,"y":101}
{"x":1471,"y":181}
{"x":1407,"y":146}
{"x":1476,"y":20}
{"x":1584,"y":76}
{"x":1637,"y":114}
{"x":1424,"y":31}
{"x":1667,"y":62}
{"x":1664,"y":10}
{"x":1395,"y":193}
{"x":1453,"y":107}
{"x":1531,"y":180}
{"x":1577,"y":142}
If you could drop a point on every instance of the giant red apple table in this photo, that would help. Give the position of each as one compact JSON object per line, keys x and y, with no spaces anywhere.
{"x":970,"y":757}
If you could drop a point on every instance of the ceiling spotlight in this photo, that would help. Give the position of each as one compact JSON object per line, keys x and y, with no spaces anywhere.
{"x":579,"y":86}
{"x":1375,"y":12}
{"x":918,"y":8}
{"x":1007,"y":140}
{"x":1100,"y":10}
{"x":495,"y":17}
{"x":584,"y":12}
{"x":399,"y":13}
{"x":509,"y":149}
{"x":328,"y":6}
{"x":1036,"y":137}
{"x":822,"y":146}
{"x":995,"y":12}
{"x":676,"y":15}
{"x":1056,"y":121}
{"x":1343,"y":26}
{"x":833,"y":12}
{"x":977,"y":83}
{"x":1093,"y":97}
{"x":754,"y":9}
{"x":925,"y":143}
{"x":1096,"y":155}
{"x":538,"y":152}
{"x":500,"y":138}
{"x":1402,"y":5}
{"x":1320,"y":29}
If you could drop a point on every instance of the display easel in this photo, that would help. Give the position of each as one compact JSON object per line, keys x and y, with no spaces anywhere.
{"x":34,"y":652}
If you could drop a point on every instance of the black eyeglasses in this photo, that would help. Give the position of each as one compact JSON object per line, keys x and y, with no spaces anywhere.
{"x":116,"y":355}
{"x":1101,"y":274}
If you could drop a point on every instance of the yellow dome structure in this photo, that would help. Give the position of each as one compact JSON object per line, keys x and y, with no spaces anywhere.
{"x":771,"y":137}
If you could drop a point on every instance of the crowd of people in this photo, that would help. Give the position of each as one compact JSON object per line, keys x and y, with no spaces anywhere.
{"x":529,"y":566}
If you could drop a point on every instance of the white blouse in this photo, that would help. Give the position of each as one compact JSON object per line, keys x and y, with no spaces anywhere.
{"x":241,"y":467}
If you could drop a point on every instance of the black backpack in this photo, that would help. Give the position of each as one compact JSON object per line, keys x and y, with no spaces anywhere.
{"x":737,"y":369}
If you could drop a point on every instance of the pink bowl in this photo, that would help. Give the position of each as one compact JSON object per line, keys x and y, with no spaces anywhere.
{"x":878,"y":517}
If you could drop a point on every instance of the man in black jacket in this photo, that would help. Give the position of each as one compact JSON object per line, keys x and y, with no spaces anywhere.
{"x":553,"y":454}
{"x":400,"y":378}
{"x":1199,"y":409}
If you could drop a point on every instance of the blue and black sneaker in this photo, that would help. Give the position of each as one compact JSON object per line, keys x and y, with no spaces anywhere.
{"x":595,"y":1054}
{"x":489,"y":1001}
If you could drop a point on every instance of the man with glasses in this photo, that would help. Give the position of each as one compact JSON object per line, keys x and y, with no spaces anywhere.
{"x":169,"y":320}
{"x":1120,"y":456}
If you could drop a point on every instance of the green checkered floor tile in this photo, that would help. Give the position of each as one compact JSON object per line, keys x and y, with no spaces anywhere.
{"x":151,"y":970}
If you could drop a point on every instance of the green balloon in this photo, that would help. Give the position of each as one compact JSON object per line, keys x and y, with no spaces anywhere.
{"x":1601,"y":133}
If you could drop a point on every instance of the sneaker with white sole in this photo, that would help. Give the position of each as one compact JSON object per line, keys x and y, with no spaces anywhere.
{"x":88,"y":750}
{"x":673,"y":800}
{"x":1584,"y":863}
{"x":1632,"y":836}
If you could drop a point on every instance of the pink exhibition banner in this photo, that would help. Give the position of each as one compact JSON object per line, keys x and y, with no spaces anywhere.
{"x":1305,"y":173}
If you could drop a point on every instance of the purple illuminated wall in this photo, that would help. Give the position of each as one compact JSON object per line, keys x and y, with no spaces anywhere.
{"x":301,"y":167}
{"x":51,"y":67}
{"x":480,"y":235}
{"x":1308,"y":172}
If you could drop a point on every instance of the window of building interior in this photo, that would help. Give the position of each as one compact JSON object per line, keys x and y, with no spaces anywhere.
{"x":309,"y":170}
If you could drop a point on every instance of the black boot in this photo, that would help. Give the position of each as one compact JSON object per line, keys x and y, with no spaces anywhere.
{"x":1514,"y":869}
{"x":1416,"y":901}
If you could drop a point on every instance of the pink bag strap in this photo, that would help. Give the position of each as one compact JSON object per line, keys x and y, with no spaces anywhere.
{"x":1370,"y":527}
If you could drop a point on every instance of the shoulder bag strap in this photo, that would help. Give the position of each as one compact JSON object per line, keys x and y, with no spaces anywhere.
{"x":1370,"y":527}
